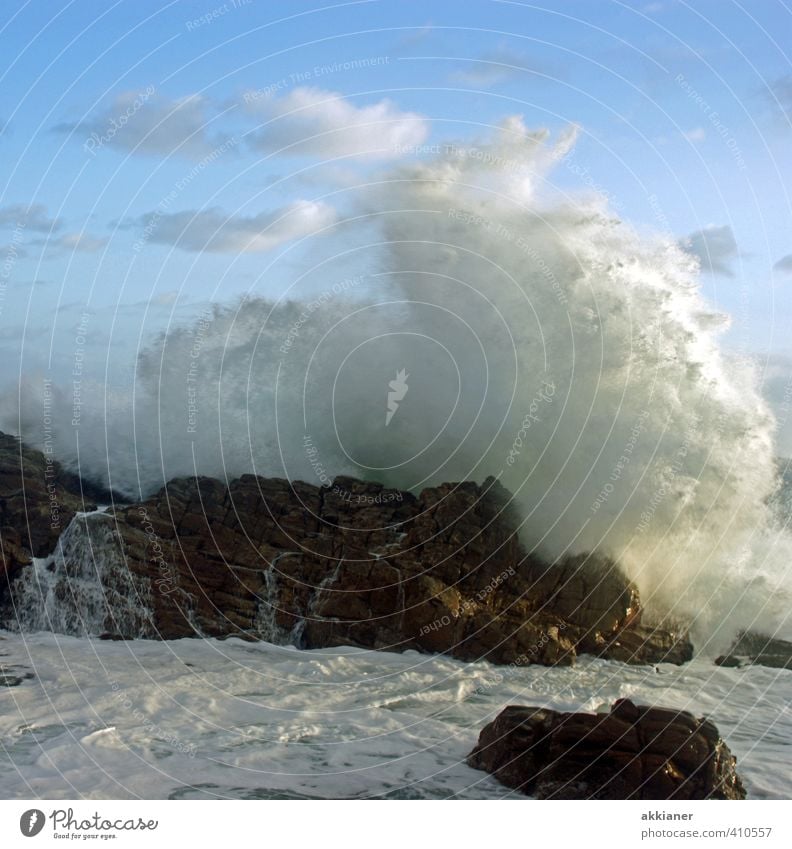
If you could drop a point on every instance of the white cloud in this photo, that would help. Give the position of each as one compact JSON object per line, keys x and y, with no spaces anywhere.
{"x":70,"y":242}
{"x":483,"y":74}
{"x":82,"y":242}
{"x":413,"y":41}
{"x":313,"y":122}
{"x":497,"y":66}
{"x":12,"y":251}
{"x":213,"y":231}
{"x":32,"y":217}
{"x":697,"y":134}
{"x":779,"y":95}
{"x":715,"y":247}
{"x":145,"y":123}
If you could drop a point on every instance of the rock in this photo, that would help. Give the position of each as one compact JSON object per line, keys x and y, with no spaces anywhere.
{"x":590,"y":591}
{"x":751,"y":648}
{"x":594,"y":594}
{"x":633,"y":752}
{"x":351,"y":564}
{"x":38,"y":499}
{"x":641,"y":644}
{"x":354,"y":563}
{"x":13,"y":676}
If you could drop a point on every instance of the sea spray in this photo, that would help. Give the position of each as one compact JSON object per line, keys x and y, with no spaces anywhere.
{"x":489,"y":287}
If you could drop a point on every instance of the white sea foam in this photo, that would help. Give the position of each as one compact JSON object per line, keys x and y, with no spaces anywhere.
{"x":211,"y":719}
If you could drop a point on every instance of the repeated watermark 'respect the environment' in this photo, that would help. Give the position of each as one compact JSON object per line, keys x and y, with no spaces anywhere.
{"x":48,"y":449}
{"x":192,"y":381}
{"x":466,"y":216}
{"x":311,"y":75}
{"x":216,"y":14}
{"x":164,"y":205}
{"x":78,"y":365}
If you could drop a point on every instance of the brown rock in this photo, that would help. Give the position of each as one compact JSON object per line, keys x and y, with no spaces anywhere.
{"x":353,"y":563}
{"x":751,"y":648}
{"x":638,"y":644}
{"x":38,"y":499}
{"x":590,"y":591}
{"x":633,"y":752}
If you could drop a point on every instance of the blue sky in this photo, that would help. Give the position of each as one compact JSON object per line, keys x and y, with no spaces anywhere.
{"x":685,"y":112}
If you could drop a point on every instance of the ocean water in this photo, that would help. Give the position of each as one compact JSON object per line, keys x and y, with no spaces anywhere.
{"x":229,"y":719}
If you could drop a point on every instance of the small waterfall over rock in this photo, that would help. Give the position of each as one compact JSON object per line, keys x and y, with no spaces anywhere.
{"x":84,"y":588}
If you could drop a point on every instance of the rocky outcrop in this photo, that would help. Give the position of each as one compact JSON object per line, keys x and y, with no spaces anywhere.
{"x":593,"y":593}
{"x":38,"y":499}
{"x":353,"y":563}
{"x":756,"y":649}
{"x":637,"y":643}
{"x":632,"y":752}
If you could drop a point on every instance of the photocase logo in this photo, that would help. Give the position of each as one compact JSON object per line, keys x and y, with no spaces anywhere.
{"x":31,"y":822}
{"x":398,"y":389}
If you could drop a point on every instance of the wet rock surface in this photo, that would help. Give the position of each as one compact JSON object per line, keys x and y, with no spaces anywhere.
{"x":756,"y":649}
{"x":354,"y":563}
{"x":632,"y":752}
{"x":38,"y":499}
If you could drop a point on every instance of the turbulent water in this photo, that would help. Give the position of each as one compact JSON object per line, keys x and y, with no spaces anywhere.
{"x":71,"y":591}
{"x":210,"y":719}
{"x":466,"y":320}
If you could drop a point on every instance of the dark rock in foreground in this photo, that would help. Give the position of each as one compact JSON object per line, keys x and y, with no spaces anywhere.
{"x":630,"y":753}
{"x":353,"y":563}
{"x":756,"y":649}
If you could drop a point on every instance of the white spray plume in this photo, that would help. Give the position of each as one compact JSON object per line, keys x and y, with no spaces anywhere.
{"x":546,"y":343}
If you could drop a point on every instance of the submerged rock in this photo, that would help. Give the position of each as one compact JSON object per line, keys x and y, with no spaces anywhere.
{"x":13,"y":676}
{"x":632,"y":752}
